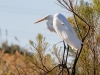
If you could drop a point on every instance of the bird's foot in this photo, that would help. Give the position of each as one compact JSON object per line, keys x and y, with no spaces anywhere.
{"x":62,"y":65}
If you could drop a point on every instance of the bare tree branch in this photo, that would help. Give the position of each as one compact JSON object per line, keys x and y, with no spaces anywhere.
{"x":51,"y":69}
{"x":42,"y":60}
{"x":70,"y":8}
{"x":17,"y":70}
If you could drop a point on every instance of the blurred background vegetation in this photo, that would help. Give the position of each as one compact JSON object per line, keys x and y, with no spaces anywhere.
{"x":15,"y":60}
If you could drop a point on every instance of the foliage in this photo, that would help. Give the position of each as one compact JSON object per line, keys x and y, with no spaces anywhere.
{"x":39,"y":62}
{"x":88,"y":63}
{"x":43,"y":62}
{"x":13,"y":61}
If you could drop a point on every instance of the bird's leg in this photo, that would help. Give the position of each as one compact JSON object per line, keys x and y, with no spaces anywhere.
{"x":67,"y":53}
{"x":64,"y":52}
{"x":63,"y":65}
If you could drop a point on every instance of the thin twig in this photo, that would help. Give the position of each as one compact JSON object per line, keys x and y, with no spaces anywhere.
{"x":42,"y":61}
{"x":75,"y":62}
{"x":17,"y":70}
{"x":63,"y":5}
{"x":75,"y":20}
{"x":33,"y":68}
{"x":94,"y":61}
{"x":22,"y":70}
{"x":71,"y":10}
{"x":57,"y":43}
{"x":52,"y":69}
{"x":60,"y":72}
{"x":36,"y":65}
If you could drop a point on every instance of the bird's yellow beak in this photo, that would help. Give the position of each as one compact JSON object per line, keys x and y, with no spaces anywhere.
{"x":40,"y":20}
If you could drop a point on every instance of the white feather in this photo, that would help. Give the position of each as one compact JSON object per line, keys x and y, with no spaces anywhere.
{"x":65,"y":31}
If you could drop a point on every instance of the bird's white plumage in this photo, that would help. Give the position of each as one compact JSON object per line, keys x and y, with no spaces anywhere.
{"x":59,"y":24}
{"x":49,"y":23}
{"x":65,"y":31}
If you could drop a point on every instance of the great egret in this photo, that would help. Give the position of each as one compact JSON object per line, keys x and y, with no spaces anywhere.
{"x":59,"y":24}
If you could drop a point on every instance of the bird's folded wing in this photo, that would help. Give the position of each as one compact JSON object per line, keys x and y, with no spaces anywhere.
{"x":67,"y":25}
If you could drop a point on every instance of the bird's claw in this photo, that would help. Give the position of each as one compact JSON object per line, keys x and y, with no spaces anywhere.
{"x":62,"y":65}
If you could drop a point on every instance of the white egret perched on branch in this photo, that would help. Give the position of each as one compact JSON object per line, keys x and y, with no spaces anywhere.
{"x":59,"y":24}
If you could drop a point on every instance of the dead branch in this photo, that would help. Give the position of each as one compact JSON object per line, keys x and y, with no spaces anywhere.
{"x":51,"y":69}
{"x":17,"y":70}
{"x":40,"y":56}
{"x":69,"y":7}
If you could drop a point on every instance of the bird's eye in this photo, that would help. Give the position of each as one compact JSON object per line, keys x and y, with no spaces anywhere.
{"x":62,"y":23}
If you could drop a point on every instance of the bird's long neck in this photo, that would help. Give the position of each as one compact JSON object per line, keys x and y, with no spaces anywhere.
{"x":49,"y":25}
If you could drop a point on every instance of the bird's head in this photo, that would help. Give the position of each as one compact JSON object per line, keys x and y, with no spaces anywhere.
{"x":45,"y":18}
